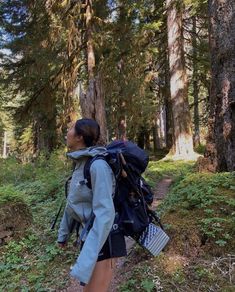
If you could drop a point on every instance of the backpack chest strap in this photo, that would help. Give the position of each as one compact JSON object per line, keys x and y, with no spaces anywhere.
{"x":82,"y":182}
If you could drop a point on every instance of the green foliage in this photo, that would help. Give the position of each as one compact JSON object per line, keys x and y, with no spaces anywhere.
{"x":9,"y":193}
{"x":206,"y":200}
{"x":38,"y":83}
{"x":130,"y":42}
{"x":28,"y":262}
{"x":196,"y":6}
{"x":213,"y":196}
{"x":179,"y":276}
{"x":200,"y":149}
{"x":198,"y":190}
{"x":27,"y":259}
{"x":147,"y":285}
{"x":12,"y":171}
{"x":129,"y":53}
{"x":161,"y":168}
{"x":35,"y":260}
{"x":128,"y":286}
{"x":141,"y":279}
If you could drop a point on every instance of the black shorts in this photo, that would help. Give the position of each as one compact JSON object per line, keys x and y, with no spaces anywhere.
{"x":114,"y":246}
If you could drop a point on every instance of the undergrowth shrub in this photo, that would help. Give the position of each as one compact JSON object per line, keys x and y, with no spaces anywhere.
{"x":9,"y":193}
{"x":34,"y":261}
{"x":35,"y":181}
{"x":175,"y":169}
{"x":212,"y":196}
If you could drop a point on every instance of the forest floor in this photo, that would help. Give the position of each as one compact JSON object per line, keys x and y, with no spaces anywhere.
{"x":197,"y":210}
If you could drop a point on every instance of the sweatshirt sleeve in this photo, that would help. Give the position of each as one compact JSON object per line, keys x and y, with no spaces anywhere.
{"x":102,"y":181}
{"x":65,"y":226}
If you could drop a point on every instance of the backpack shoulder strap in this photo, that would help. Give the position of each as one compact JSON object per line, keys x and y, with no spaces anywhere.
{"x":87,"y":166}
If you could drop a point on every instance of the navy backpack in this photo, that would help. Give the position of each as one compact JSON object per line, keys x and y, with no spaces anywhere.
{"x":133,"y":195}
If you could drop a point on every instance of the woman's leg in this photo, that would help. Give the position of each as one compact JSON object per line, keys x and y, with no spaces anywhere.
{"x":101,"y":276}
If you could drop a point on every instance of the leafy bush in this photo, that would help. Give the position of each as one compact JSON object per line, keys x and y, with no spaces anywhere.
{"x":213,"y":196}
{"x":9,"y":193}
{"x":200,"y":148}
{"x":35,"y":181}
{"x":199,"y":190}
{"x":13,"y":171}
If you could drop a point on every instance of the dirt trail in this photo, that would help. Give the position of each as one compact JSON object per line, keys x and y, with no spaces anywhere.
{"x":122,"y":264}
{"x":122,"y":267}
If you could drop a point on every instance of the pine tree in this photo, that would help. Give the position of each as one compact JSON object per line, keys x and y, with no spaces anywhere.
{"x":183,"y":142}
{"x":220,"y":149}
{"x":92,"y":102}
{"x":40,"y":68}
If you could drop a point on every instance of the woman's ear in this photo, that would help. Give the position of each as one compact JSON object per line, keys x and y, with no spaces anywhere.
{"x":80,"y":141}
{"x":79,"y":138}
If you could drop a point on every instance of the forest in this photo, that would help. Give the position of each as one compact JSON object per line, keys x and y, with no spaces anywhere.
{"x":159,"y":73}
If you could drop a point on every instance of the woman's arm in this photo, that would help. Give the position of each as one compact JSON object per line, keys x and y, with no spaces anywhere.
{"x":102,"y":181}
{"x":65,"y":228}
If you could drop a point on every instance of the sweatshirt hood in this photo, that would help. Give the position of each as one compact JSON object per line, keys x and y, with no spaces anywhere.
{"x":86,"y":152}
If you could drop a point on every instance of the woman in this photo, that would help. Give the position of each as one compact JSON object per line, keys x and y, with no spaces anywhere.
{"x":93,"y":267}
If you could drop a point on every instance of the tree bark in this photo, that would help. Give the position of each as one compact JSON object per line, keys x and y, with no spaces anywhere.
{"x":5,"y":145}
{"x":44,"y":124}
{"x":195,"y":86}
{"x":182,"y":138}
{"x":121,"y":129}
{"x":147,"y":145}
{"x":168,"y":103}
{"x":141,"y":137}
{"x":220,"y":149}
{"x":92,"y":103}
{"x":159,"y":129}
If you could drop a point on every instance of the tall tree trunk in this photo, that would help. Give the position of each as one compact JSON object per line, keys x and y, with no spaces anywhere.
{"x":168,"y":103}
{"x":45,"y":126}
{"x":92,"y":103}
{"x":141,"y":138}
{"x":5,"y":145}
{"x":183,"y":140}
{"x":147,"y":145}
{"x":195,"y":85}
{"x":220,"y":149}
{"x":159,"y":129}
{"x":155,"y":141}
{"x":121,"y":129}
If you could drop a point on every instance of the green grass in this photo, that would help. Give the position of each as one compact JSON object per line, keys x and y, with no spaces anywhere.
{"x":175,"y":169}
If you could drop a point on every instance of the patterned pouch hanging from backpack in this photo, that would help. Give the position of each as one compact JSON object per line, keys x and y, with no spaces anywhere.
{"x":154,"y":239}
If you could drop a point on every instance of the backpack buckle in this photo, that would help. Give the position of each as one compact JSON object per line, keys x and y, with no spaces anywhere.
{"x":82,"y":182}
{"x":115,"y":226}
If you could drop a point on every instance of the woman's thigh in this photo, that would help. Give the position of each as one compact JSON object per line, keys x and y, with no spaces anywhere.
{"x":101,"y":276}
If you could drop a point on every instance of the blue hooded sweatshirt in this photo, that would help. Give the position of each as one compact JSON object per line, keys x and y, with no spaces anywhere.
{"x":82,"y":201}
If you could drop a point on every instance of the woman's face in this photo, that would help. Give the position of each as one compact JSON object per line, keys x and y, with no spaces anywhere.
{"x":74,"y":142}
